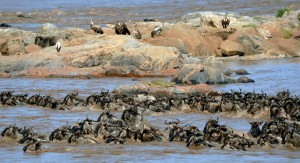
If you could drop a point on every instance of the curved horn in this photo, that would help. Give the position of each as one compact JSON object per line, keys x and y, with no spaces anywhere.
{"x":166,"y":122}
{"x":177,"y":121}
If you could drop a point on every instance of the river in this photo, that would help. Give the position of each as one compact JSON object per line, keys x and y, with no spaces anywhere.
{"x":76,"y":13}
{"x":271,"y":76}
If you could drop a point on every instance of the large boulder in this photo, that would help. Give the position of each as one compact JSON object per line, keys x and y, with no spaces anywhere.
{"x":48,"y":28}
{"x":289,"y":46}
{"x":215,"y":63}
{"x":230,"y":48}
{"x":32,"y":48}
{"x":13,"y":41}
{"x":123,"y":52}
{"x":252,"y":44}
{"x":188,"y":40}
{"x":12,"y":47}
{"x":45,"y":40}
{"x":199,"y":74}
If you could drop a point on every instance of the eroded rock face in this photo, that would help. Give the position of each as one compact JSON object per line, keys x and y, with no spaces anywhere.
{"x":230,"y":48}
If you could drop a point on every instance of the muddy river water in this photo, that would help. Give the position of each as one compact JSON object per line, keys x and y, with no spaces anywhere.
{"x":270,"y":76}
{"x":76,"y":13}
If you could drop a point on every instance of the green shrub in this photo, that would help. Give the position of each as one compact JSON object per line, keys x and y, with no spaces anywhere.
{"x":281,"y":12}
{"x":298,"y":16}
{"x":257,"y":18}
{"x":287,"y":33}
{"x":250,"y":25}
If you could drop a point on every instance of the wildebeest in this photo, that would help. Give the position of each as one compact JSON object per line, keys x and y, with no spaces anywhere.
{"x":12,"y":132}
{"x":255,"y":130}
{"x":33,"y":146}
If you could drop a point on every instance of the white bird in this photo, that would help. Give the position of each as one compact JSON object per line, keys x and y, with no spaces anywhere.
{"x":58,"y":46}
{"x":157,"y":30}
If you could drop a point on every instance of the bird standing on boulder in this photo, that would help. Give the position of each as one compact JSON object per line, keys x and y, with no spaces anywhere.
{"x":96,"y":28}
{"x":225,"y":21}
{"x":136,"y":33}
{"x":58,"y":46}
{"x":121,"y":29}
{"x":157,"y":30}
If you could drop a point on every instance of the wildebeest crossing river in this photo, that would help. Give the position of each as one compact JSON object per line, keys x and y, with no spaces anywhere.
{"x":271,"y":76}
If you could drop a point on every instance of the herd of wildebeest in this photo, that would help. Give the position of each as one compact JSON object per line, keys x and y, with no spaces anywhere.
{"x":281,"y":129}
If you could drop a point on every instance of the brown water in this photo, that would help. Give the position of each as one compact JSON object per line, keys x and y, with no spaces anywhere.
{"x":76,"y":13}
{"x":268,"y":74}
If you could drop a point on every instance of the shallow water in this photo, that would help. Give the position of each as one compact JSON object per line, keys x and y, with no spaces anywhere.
{"x":78,"y":12}
{"x":270,"y":76}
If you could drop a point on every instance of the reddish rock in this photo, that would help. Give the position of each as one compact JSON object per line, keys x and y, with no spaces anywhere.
{"x":231,"y":48}
{"x":188,"y":40}
{"x":241,"y":32}
{"x":32,"y":48}
{"x":290,"y":46}
{"x":5,"y":75}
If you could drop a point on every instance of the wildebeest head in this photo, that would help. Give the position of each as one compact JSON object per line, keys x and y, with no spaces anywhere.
{"x":255,"y":130}
{"x":173,"y":129}
{"x":212,"y":123}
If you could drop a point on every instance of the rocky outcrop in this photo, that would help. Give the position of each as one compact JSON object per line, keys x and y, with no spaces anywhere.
{"x":178,"y":44}
{"x":252,"y":44}
{"x":187,"y":40}
{"x":32,"y":48}
{"x":162,"y":89}
{"x":213,"y":19}
{"x":14,"y":41}
{"x":230,"y":48}
{"x":45,"y":40}
{"x":288,"y":46}
{"x":199,"y":74}
{"x":112,"y":55}
{"x":124,"y":52}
